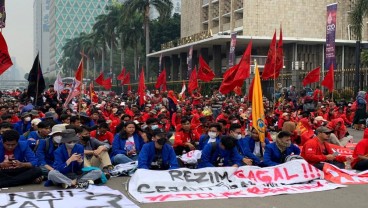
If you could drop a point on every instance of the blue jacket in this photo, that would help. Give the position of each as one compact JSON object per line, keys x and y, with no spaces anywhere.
{"x":45,"y":156}
{"x":203,"y":140}
{"x":273,"y":156}
{"x":61,"y":156}
{"x":118,"y":145}
{"x":210,"y":156}
{"x":22,"y":152}
{"x":147,"y":155}
{"x":22,"y":128}
{"x":34,"y":135}
{"x":246,"y":148}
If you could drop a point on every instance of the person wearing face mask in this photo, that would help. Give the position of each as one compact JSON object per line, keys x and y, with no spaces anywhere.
{"x":45,"y":149}
{"x":158,"y":154}
{"x":250,"y":146}
{"x":276,"y":153}
{"x":213,"y":135}
{"x":95,"y":152}
{"x":24,"y":125}
{"x":69,"y":162}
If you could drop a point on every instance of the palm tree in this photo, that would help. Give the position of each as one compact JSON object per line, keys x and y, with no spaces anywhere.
{"x":359,"y":11}
{"x":164,"y":8}
{"x":101,"y":36}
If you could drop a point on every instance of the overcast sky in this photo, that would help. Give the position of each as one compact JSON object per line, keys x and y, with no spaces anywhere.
{"x":18,"y":32}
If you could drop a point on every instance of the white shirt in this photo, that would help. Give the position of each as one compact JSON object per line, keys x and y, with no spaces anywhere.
{"x":257,"y":149}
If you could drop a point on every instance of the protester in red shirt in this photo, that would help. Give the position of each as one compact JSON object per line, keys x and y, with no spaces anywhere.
{"x":360,"y":155}
{"x":176,"y":118}
{"x":317,"y":150}
{"x":317,"y":95}
{"x":308,"y":132}
{"x":224,"y":116}
{"x":103,"y":134}
{"x":197,"y":97}
{"x":185,"y":138}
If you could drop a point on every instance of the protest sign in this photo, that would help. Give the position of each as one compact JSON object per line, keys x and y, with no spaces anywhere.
{"x":149,"y":186}
{"x":342,"y":176}
{"x":94,"y":196}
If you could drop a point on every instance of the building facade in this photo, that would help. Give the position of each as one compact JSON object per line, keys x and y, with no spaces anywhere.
{"x":42,"y":32}
{"x":207,"y":24}
{"x":69,"y":18}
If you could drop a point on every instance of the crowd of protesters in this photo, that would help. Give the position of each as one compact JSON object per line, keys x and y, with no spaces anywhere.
{"x":78,"y":144}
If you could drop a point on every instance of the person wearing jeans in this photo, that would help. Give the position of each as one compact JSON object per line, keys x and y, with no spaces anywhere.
{"x":126,"y":145}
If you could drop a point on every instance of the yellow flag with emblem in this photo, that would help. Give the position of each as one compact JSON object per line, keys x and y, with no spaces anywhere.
{"x":258,"y":116}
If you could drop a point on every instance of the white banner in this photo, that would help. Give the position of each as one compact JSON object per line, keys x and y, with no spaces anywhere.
{"x":149,"y":186}
{"x":94,"y":196}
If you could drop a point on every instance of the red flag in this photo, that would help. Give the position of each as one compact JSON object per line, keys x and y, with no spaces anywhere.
{"x":250,"y":93}
{"x":238,"y":90}
{"x":205,"y":73}
{"x":161,"y":80}
{"x":312,"y":76}
{"x":126,"y":81}
{"x":243,"y":71}
{"x":269,"y":68}
{"x":279,"y":56}
{"x":193,"y":81}
{"x":122,"y":74}
{"x":100,"y":79}
{"x":77,"y":83}
{"x":328,"y":81}
{"x":227,"y":83}
{"x":107,"y":83}
{"x":92,"y":92}
{"x":5,"y":60}
{"x":141,"y":88}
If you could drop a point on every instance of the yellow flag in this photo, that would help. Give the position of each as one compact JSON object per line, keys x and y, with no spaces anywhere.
{"x":258,"y":116}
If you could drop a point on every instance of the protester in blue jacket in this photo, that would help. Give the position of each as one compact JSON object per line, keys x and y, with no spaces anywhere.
{"x":42,"y":132}
{"x":252,"y":148}
{"x":222,"y":154}
{"x":68,"y":163}
{"x":18,"y":164}
{"x":24,"y":124}
{"x":126,"y":145}
{"x":157,"y":155}
{"x":276,"y":153}
{"x":213,"y":135}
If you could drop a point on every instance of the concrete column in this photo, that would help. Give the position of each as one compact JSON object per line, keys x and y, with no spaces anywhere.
{"x":204,"y":53}
{"x":175,"y":67}
{"x":217,"y":60}
{"x":195,"y":59}
{"x":183,"y":72}
{"x":167,"y":66}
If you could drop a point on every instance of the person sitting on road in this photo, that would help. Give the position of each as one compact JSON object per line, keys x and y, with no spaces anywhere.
{"x":42,"y":132}
{"x":185,"y":138}
{"x":360,"y":155}
{"x":18,"y":164}
{"x":317,"y":150}
{"x":221,"y":154}
{"x":158,"y":154}
{"x":213,"y":135}
{"x":276,"y":153}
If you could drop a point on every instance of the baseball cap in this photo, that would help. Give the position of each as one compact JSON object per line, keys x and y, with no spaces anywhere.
{"x":324,"y":129}
{"x":158,"y":131}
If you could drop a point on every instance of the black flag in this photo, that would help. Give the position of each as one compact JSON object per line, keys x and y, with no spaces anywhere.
{"x":36,"y":83}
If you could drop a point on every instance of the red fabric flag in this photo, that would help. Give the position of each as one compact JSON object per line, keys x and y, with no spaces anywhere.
{"x":93,"y":95}
{"x":122,"y":74}
{"x":100,"y":79}
{"x":243,"y":71}
{"x":77,"y":83}
{"x":126,"y":79}
{"x":107,"y":83}
{"x":161,"y":80}
{"x":250,"y":93}
{"x":205,"y":73}
{"x":238,"y":90}
{"x":328,"y":81}
{"x":312,"y":76}
{"x":193,"y":81}
{"x":141,"y":88}
{"x":279,"y":56}
{"x":5,"y":60}
{"x":227,"y":83}
{"x":269,"y":68}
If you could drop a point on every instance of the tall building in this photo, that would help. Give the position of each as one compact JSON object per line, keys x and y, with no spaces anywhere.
{"x":207,"y":24}
{"x":41,"y":36}
{"x":69,"y":18}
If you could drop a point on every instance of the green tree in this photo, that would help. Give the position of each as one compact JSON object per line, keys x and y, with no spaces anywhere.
{"x":357,"y":15}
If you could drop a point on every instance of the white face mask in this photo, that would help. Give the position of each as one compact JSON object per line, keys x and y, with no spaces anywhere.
{"x":212,"y":135}
{"x":28,"y":119}
{"x":239,"y":136}
{"x":153,"y":127}
{"x":57,"y":139}
{"x":71,"y":145}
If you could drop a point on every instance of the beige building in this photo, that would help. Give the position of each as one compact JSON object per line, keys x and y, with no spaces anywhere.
{"x":206,"y":25}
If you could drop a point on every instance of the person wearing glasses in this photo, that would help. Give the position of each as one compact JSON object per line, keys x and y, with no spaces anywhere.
{"x":317,"y":150}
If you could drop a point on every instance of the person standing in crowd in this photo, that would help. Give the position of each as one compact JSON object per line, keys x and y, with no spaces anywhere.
{"x":69,"y":163}
{"x":18,"y":164}
{"x":158,"y":154}
{"x":126,"y":145}
{"x":317,"y":151}
{"x":221,"y":154}
{"x":361,"y":111}
{"x":276,"y":153}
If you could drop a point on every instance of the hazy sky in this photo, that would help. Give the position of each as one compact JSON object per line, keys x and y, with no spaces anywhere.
{"x":18,"y":32}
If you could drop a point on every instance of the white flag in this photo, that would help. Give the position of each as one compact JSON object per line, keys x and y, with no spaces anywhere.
{"x":183,"y":89}
{"x":58,"y":85}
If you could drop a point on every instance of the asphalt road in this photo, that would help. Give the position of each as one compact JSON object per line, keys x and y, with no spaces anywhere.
{"x":353,"y":196}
